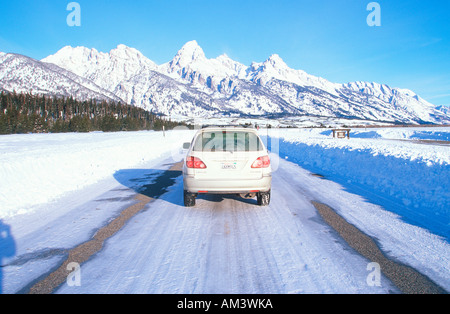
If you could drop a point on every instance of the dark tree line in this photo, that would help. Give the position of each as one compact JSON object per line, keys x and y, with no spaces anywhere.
{"x":27,"y":113}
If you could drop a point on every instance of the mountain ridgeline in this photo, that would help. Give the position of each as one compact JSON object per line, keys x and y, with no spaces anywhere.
{"x":191,"y":85}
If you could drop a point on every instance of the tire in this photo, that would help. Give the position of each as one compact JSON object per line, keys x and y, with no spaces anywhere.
{"x":263,"y":199}
{"x":189,"y":199}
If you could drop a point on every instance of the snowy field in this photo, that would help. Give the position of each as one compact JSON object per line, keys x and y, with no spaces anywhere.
{"x":390,"y":167}
{"x":38,"y":168}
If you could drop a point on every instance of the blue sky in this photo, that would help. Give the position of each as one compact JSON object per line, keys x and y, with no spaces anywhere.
{"x":327,"y":38}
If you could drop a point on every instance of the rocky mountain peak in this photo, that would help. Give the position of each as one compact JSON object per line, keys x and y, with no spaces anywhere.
{"x":190,"y":52}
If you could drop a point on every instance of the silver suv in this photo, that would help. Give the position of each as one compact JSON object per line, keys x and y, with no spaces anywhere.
{"x":227,"y":160}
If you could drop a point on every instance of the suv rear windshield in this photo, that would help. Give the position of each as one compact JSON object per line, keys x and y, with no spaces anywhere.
{"x":221,"y":141}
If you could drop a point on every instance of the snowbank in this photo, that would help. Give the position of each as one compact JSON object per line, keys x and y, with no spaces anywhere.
{"x":407,"y":177}
{"x":38,"y":168}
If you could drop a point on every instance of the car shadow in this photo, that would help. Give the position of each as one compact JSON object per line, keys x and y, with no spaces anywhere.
{"x":155,"y":183}
{"x":218,"y":198}
{"x":7,"y":248}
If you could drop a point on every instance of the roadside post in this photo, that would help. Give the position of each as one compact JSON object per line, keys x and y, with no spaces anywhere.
{"x":341,"y":133}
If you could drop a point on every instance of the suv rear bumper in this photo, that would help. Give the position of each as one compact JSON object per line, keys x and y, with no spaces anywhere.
{"x":199,"y":186}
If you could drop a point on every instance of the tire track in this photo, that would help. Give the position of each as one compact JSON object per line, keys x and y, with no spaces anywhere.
{"x":407,"y":279}
{"x":86,"y":250}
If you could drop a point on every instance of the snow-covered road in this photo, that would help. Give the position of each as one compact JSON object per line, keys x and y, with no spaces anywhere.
{"x":223,"y":245}
{"x":227,"y":245}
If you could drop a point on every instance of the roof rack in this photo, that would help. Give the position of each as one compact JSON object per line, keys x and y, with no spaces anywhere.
{"x":228,"y":126}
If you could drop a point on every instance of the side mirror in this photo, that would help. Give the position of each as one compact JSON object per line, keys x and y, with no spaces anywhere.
{"x":186,"y":145}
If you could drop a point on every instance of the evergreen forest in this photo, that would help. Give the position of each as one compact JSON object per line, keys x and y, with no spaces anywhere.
{"x":27,"y":113}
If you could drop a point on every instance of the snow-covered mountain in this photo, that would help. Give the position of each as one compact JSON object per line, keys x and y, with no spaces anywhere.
{"x":193,"y":85}
{"x":191,"y":64}
{"x":23,"y":74}
{"x":105,"y":69}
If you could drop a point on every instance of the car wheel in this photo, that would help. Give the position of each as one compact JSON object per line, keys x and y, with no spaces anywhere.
{"x":189,"y":199}
{"x":263,"y":199}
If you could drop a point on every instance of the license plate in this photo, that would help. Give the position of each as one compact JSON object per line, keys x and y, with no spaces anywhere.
{"x":229,"y":166}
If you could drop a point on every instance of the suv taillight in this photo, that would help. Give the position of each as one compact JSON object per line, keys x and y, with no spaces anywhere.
{"x":261,"y":162}
{"x":195,"y":163}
